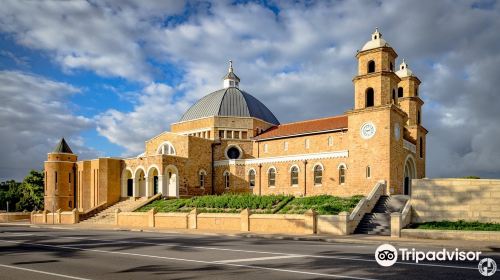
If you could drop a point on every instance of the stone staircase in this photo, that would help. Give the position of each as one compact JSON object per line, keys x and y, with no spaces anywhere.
{"x":107,"y":216}
{"x":378,"y":222}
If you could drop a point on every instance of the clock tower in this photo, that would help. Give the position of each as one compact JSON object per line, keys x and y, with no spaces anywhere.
{"x":376,"y":123}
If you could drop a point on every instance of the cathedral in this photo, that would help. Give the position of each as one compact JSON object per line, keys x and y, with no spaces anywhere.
{"x":230,"y":142}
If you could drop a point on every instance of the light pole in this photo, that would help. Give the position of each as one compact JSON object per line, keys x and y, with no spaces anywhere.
{"x":7,"y":211}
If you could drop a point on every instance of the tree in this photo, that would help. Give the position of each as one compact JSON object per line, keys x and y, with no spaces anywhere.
{"x":9,"y":192}
{"x":31,"y":192}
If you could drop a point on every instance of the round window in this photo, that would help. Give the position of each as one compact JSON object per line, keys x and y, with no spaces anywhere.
{"x":233,"y":153}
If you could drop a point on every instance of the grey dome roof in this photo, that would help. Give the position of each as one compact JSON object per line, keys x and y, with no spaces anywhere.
{"x":229,"y":102}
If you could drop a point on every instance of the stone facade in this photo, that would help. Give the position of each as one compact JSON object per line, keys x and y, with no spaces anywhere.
{"x":381,"y":138}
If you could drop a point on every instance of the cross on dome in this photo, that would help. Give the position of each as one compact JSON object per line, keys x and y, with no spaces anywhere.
{"x":231,"y":80}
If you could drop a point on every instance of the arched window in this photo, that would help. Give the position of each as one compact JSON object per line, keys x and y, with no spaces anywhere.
{"x":368,"y":172}
{"x":265,"y":148}
{"x":341,"y":174}
{"x":416,"y":91}
{"x":392,"y":66}
{"x":307,"y":143}
{"x":166,"y":148}
{"x":251,"y":178}
{"x":371,"y":66}
{"x":400,"y":92}
{"x":330,"y":140}
{"x":226,"y":180}
{"x":370,"y":97}
{"x":418,"y":117}
{"x":393,"y":96}
{"x":318,"y":174}
{"x":201,"y":176}
{"x":285,"y":146}
{"x":421,"y":147}
{"x":271,"y":177}
{"x":294,"y":176}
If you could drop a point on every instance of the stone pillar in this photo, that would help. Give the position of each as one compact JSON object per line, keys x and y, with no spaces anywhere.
{"x":124,"y":186}
{"x":76,"y":216}
{"x":396,"y":225}
{"x":192,"y":219}
{"x":135,"y":187}
{"x":44,"y":217}
{"x":32,"y":217}
{"x":117,"y":213}
{"x":344,"y":223}
{"x":58,"y":215}
{"x":310,"y":221}
{"x":161,"y":187}
{"x":245,"y":220}
{"x":151,"y":217}
{"x":147,"y":185}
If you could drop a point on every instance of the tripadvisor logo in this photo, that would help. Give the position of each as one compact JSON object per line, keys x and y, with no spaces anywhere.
{"x":387,"y":255}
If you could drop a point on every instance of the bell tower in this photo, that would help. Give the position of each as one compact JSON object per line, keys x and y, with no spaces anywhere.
{"x":376,"y":82}
{"x":60,"y":178}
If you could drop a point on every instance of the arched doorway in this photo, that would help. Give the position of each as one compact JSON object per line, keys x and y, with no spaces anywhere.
{"x":153,"y":182}
{"x":410,"y":172}
{"x":172,"y":181}
{"x":127,"y":183}
{"x":140,"y":183}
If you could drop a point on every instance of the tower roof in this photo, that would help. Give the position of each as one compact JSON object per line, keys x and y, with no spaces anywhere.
{"x":62,"y":147}
{"x":376,"y":42}
{"x":404,"y":71}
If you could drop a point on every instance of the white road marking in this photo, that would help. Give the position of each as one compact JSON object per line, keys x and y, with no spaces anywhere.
{"x":43,"y":272}
{"x":17,"y":234}
{"x":261,"y":259}
{"x":193,"y":261}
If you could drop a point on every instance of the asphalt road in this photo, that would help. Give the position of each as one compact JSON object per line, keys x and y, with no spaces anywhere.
{"x":42,"y":253}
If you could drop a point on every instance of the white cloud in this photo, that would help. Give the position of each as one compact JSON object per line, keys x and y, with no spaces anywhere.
{"x":154,"y":112}
{"x":34,"y":114}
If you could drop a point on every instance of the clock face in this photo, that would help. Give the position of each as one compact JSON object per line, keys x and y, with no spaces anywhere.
{"x":368,"y":130}
{"x":397,"y":131}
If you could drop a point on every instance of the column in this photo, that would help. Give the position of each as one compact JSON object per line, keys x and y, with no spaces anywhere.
{"x":161,"y":186}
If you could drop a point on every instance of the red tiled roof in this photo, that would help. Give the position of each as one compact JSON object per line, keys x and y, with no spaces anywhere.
{"x":304,"y":127}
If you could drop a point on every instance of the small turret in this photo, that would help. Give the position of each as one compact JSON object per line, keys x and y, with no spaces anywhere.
{"x":60,"y":179}
{"x":231,"y":80}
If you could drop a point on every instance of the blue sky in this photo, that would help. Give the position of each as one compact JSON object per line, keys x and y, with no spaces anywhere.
{"x":108,"y":75}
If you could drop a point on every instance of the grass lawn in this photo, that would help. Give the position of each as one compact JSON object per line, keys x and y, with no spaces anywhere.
{"x":227,"y":203}
{"x":322,"y":204}
{"x":266,"y":204}
{"x":459,"y":225}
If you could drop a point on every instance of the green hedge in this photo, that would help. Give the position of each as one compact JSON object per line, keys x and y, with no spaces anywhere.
{"x":267,"y":204}
{"x":459,"y":225}
{"x":322,"y":204}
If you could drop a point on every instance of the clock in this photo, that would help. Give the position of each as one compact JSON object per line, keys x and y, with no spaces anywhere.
{"x":397,"y":131}
{"x":368,"y":130}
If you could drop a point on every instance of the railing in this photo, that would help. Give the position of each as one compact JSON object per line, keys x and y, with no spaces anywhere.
{"x":406,"y":214}
{"x":365,"y":205}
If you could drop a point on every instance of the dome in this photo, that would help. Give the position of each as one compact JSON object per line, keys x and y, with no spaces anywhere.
{"x":376,"y":42}
{"x":404,"y":71}
{"x":232,"y":102}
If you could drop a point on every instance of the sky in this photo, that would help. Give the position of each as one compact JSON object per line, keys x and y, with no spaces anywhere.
{"x":108,"y":75}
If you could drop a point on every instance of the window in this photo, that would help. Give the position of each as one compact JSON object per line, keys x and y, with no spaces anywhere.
{"x":221,"y":134}
{"x":307,"y":143}
{"x":166,"y":148}
{"x":265,"y":148}
{"x":371,"y":66}
{"x":370,"y":97}
{"x":318,"y":174}
{"x":418,"y":117}
{"x":233,"y":153}
{"x":368,"y":172}
{"x":251,"y":178}
{"x":45,"y":181}
{"x":294,"y":176}
{"x":392,"y":66}
{"x":244,"y":135}
{"x":231,"y":83}
{"x":421,"y":147}
{"x":400,"y":92}
{"x":201,"y":177}
{"x":416,"y":91}
{"x":226,"y":180}
{"x":285,"y":146}
{"x":342,"y":174}
{"x":271,"y":177}
{"x":393,"y":96}
{"x":330,"y":141}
